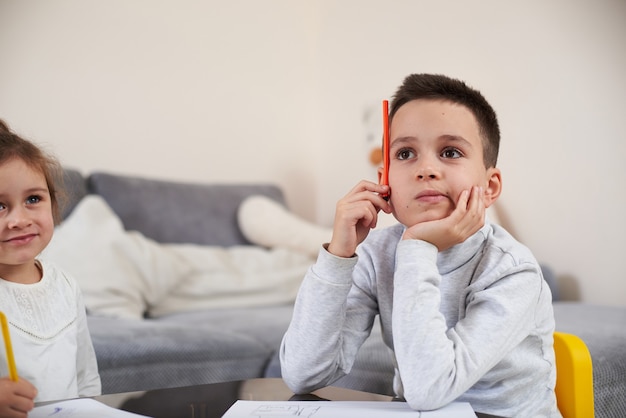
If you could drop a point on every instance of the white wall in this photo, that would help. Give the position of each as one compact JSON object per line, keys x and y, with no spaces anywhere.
{"x":277,"y":91}
{"x":217,"y":91}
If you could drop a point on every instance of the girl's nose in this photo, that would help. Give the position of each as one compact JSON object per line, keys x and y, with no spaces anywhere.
{"x":18,"y":219}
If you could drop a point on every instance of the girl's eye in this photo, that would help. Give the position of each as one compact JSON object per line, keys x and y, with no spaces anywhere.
{"x":405,"y":154}
{"x":451,"y":153}
{"x":33,"y":199}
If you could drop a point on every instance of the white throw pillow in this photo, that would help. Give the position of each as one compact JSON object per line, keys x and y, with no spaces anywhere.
{"x":124,"y":274}
{"x":234,"y":277}
{"x":265,"y":222}
{"x":120,"y":273}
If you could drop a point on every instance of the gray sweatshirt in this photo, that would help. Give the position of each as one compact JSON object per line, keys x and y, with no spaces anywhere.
{"x":473,"y":323}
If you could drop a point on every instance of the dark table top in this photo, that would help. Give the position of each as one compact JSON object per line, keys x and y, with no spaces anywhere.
{"x":213,"y":400}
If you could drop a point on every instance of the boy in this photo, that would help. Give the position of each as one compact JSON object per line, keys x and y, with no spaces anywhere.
{"x":463,"y":306}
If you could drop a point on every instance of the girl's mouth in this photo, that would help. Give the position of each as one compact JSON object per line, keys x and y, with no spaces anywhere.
{"x":22,"y":239}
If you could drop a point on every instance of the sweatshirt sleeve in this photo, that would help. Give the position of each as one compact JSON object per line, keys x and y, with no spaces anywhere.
{"x":331,"y":320}
{"x":437,"y":364}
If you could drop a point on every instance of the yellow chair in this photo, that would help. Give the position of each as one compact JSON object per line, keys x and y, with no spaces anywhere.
{"x":574,"y":377}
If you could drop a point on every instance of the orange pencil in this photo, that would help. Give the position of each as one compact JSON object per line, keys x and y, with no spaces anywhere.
{"x":9,"y":347}
{"x":385,"y":177}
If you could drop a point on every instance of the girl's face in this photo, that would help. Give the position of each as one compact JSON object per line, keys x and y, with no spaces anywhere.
{"x":26,"y":222}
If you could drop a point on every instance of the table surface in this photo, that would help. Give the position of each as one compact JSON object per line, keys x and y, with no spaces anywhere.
{"x":213,"y":400}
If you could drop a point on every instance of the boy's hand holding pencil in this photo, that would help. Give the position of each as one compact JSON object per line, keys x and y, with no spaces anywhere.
{"x":357,"y":212}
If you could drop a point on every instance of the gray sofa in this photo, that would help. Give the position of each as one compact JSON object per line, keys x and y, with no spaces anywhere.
{"x":216,"y":345}
{"x":186,"y":348}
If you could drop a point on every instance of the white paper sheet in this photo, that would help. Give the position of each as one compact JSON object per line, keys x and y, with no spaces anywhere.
{"x":342,"y":409}
{"x":79,"y":408}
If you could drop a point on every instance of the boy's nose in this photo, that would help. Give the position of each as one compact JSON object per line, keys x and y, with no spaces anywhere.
{"x":427,"y":171}
{"x":426,"y":176}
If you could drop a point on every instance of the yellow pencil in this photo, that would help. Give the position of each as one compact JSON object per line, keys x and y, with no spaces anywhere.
{"x":9,"y":347}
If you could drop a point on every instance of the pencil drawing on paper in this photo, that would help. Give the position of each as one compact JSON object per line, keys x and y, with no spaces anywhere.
{"x":280,"y":411}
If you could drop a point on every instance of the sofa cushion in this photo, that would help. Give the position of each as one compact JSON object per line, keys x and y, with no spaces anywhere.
{"x":176,"y":212}
{"x":148,"y":354}
{"x":266,"y":324}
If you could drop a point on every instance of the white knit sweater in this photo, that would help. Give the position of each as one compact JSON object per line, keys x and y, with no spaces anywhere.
{"x":51,"y":343}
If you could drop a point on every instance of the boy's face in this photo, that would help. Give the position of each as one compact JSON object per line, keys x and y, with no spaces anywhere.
{"x":26,"y":223}
{"x":436,"y":152}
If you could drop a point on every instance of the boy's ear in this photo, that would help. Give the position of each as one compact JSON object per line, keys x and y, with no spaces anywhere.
{"x":380,"y":174}
{"x":494,"y":186}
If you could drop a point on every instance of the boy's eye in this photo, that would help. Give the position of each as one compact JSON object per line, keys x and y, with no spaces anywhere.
{"x":405,"y":154}
{"x":451,"y":153}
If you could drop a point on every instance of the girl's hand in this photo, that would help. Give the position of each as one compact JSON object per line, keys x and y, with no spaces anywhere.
{"x":466,"y":219}
{"x":355,"y":215}
{"x":16,"y":398}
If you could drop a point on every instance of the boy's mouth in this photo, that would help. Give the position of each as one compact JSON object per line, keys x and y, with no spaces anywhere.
{"x":431,"y":196}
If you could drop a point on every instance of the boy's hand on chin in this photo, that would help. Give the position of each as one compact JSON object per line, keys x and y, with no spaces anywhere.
{"x":466,"y":219}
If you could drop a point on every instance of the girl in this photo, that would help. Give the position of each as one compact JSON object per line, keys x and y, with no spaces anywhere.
{"x":51,"y":343}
